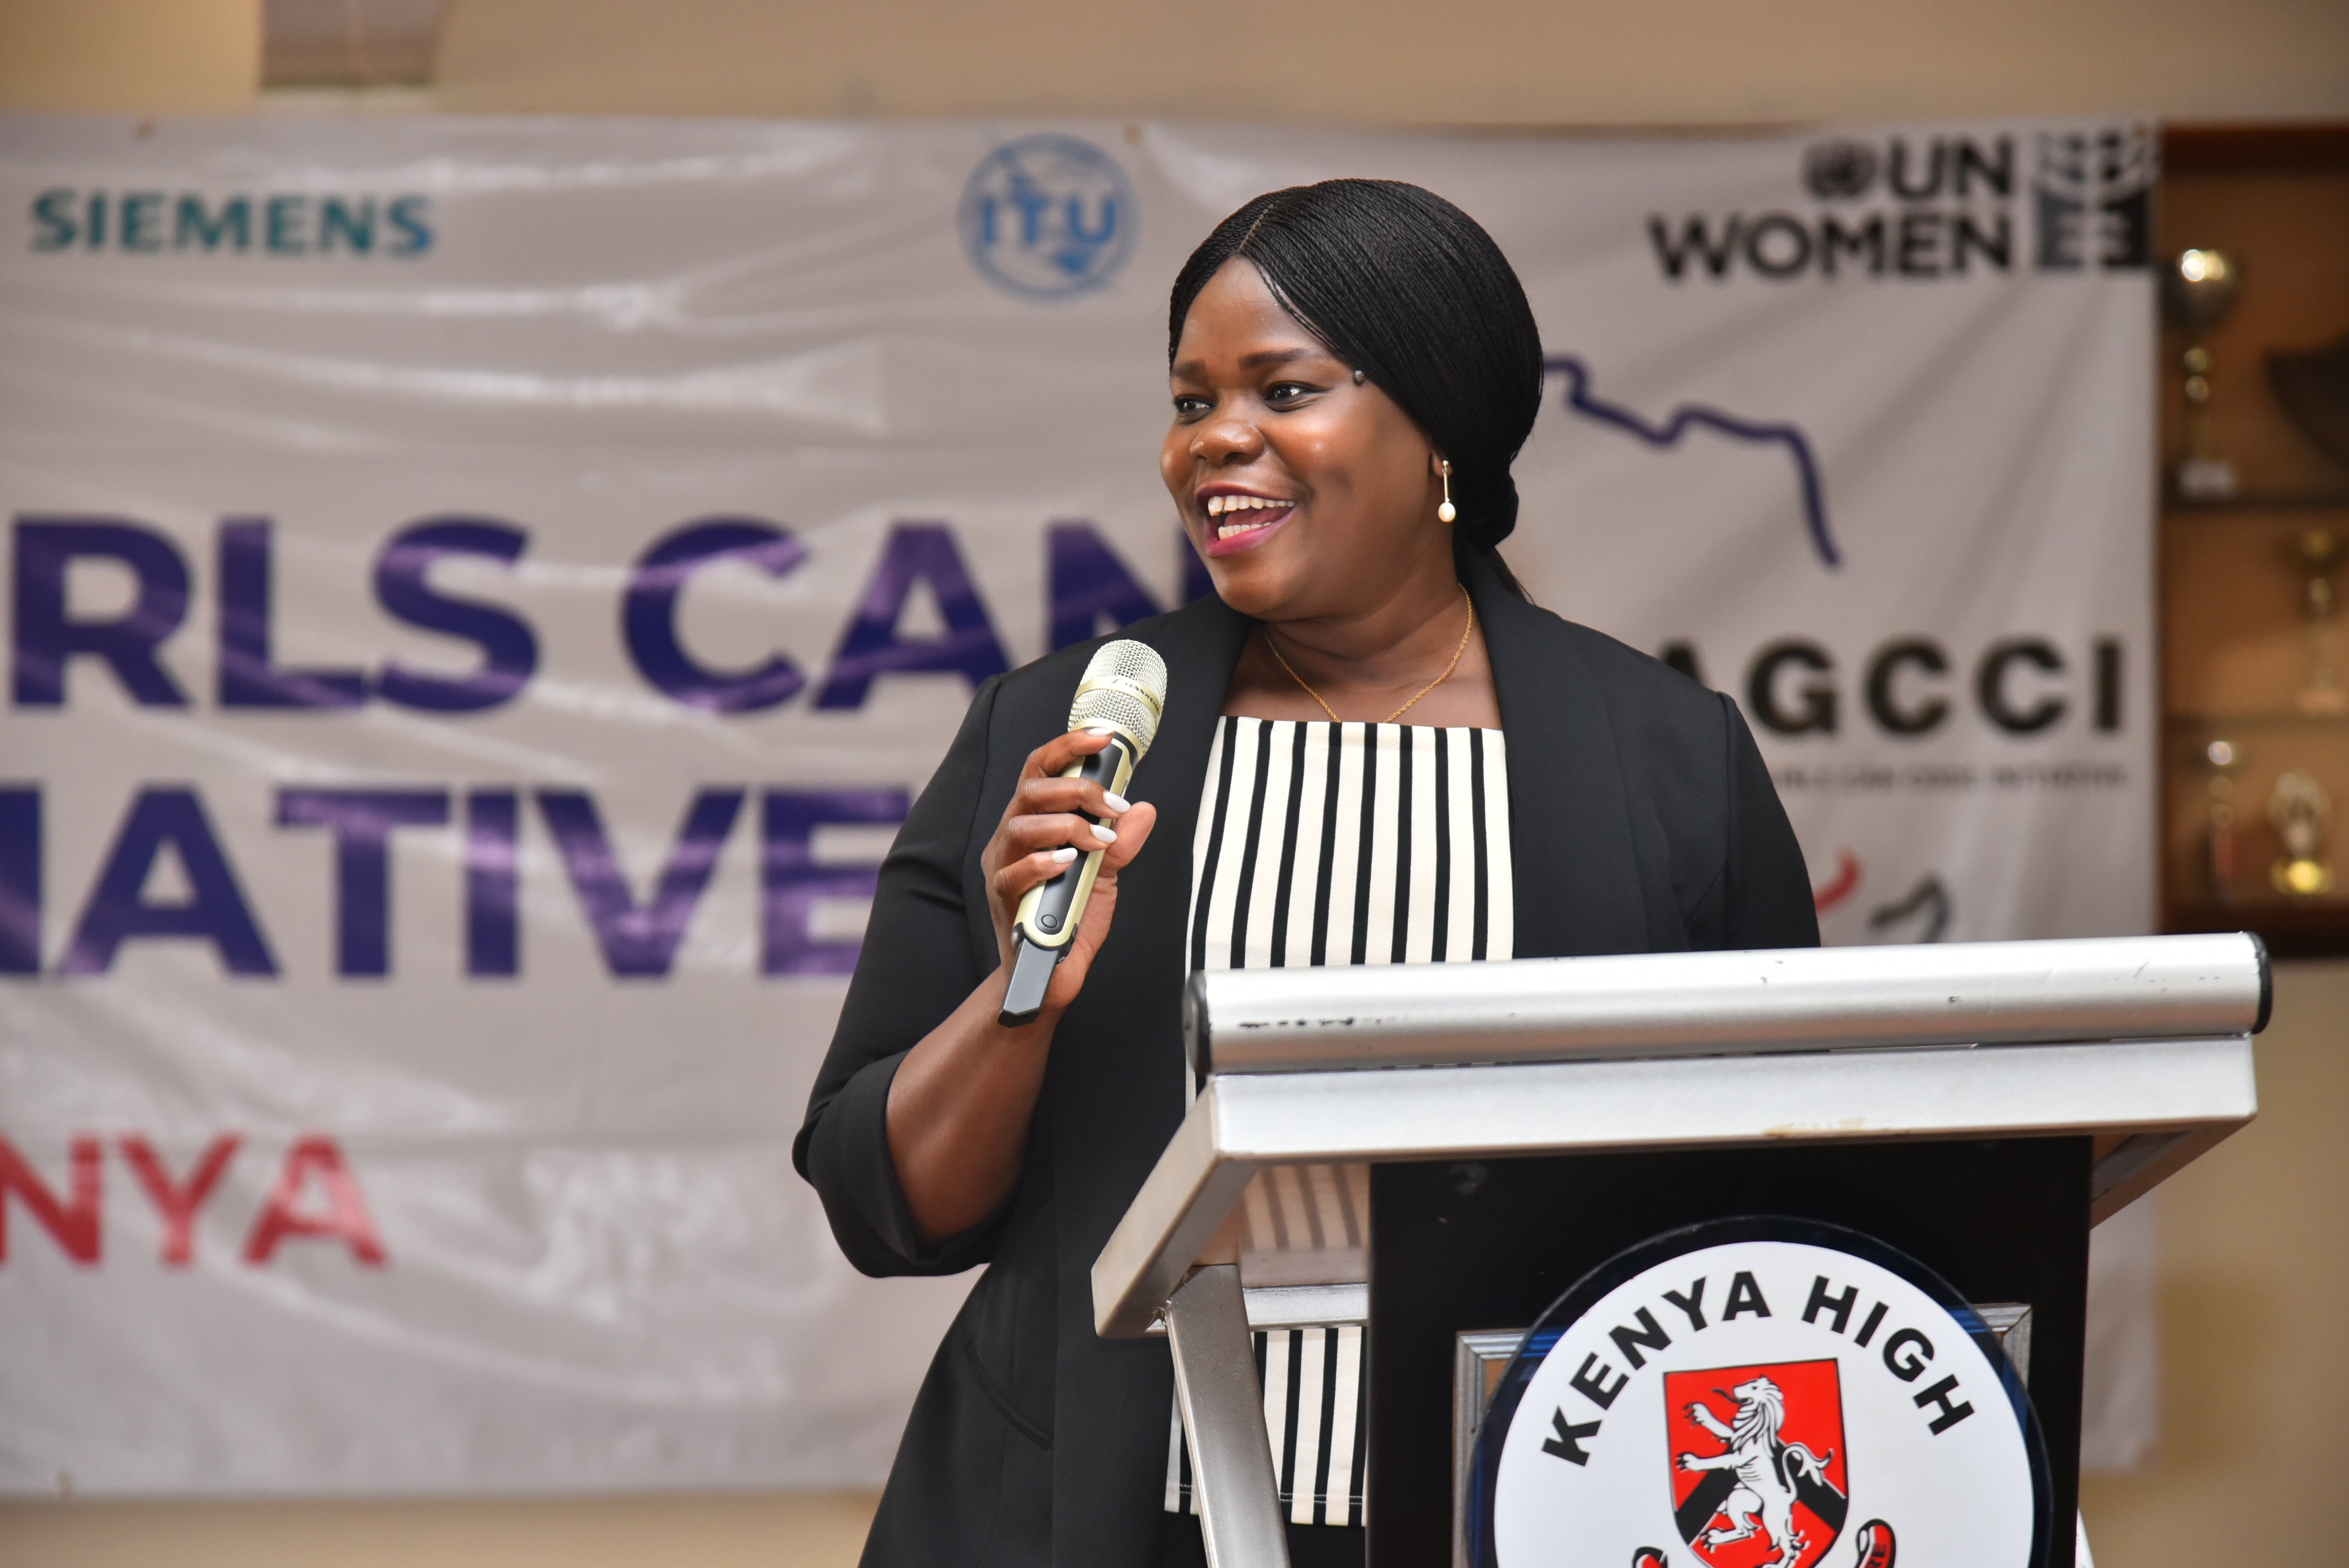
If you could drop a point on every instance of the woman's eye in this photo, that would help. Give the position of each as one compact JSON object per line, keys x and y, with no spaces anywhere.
{"x":1186,"y":407}
{"x":1281,"y":392}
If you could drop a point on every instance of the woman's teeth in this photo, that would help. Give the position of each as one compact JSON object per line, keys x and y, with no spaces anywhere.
{"x":1230,"y":505}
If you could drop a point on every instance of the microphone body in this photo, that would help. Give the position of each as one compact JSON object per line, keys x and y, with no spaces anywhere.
{"x":1123,"y":690}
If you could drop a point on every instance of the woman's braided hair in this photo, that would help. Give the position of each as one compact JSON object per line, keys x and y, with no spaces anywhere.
{"x":1408,"y":289}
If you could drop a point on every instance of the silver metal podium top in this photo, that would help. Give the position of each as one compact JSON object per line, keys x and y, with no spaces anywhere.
{"x":1705,"y":1004}
{"x":1270,"y":1170}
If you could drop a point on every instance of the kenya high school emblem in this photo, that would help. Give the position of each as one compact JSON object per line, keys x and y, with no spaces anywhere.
{"x":1759,"y":1466}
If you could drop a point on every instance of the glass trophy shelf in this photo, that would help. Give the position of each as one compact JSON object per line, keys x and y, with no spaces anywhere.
{"x":2256,"y":720}
{"x":2317,"y":928}
{"x":2213,"y":507}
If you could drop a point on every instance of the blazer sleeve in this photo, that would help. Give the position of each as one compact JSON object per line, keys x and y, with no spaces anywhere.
{"x":1767,"y":888}
{"x":917,"y":964}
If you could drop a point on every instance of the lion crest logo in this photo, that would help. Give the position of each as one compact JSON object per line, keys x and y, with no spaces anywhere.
{"x":1759,"y":1470}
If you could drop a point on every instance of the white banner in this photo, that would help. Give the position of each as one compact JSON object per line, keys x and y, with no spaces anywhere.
{"x":482,"y":592}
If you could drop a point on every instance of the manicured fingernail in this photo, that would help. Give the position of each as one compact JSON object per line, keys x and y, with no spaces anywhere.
{"x":1115,"y":803}
{"x":1064,"y":856}
{"x":1101,"y":730}
{"x":1106,"y":835}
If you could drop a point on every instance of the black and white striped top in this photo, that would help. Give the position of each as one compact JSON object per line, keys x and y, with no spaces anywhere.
{"x":1329,"y":843}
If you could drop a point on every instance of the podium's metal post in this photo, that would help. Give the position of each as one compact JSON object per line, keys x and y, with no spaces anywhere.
{"x":1223,"y":1420}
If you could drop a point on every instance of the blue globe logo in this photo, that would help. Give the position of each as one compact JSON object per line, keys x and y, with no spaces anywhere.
{"x":1048,"y":216}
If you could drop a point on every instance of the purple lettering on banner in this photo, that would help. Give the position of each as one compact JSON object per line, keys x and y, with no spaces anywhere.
{"x":362,"y":820}
{"x":509,"y":647}
{"x":492,"y":883}
{"x":46,"y":637}
{"x":649,"y":614}
{"x":247,"y":679}
{"x":20,"y":881}
{"x":790,"y":881}
{"x":215,"y":912}
{"x":916,"y":553}
{"x":638,"y":940}
{"x":1086,"y":581}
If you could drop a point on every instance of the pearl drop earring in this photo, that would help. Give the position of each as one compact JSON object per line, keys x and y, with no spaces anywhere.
{"x":1447,"y":511}
{"x":1359,"y":377}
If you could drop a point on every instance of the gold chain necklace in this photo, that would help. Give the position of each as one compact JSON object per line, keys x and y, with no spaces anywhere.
{"x":1465,"y":632}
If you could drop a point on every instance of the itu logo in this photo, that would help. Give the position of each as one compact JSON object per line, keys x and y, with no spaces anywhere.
{"x":1048,"y":216}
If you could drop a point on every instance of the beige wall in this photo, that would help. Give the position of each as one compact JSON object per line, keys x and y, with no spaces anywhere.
{"x":2255,"y":1248}
{"x":142,"y":56}
{"x":1467,"y":61}
{"x":2253,"y":1271}
{"x":1579,"y":61}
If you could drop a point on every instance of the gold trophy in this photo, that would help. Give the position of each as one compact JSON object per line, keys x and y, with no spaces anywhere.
{"x":2300,"y":811}
{"x":2318,"y":553}
{"x":2200,"y":289}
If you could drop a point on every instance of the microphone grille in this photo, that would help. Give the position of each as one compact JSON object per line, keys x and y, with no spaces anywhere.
{"x":1124,"y":688}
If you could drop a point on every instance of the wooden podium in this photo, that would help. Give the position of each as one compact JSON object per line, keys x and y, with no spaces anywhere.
{"x":1437,"y":1152}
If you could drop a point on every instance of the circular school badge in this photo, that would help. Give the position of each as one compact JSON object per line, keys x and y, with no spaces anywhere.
{"x":1760,"y":1393}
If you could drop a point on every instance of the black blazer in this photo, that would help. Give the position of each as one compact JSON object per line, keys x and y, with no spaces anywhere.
{"x":1642,"y":819}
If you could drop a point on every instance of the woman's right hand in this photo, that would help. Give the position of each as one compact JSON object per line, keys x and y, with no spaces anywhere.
{"x":960,"y":1104}
{"x":1040,"y":836}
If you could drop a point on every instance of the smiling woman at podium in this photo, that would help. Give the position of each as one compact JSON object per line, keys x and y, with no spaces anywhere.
{"x":1373,"y":749}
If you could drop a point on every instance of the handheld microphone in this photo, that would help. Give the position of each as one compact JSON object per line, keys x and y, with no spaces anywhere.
{"x":1122,"y":691}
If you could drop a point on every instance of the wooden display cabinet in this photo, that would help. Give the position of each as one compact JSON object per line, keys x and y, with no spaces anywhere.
{"x":2237,"y":649}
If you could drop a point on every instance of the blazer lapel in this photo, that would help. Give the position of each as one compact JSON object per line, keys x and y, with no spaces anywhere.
{"x":1577,"y":877}
{"x":1200,"y":644}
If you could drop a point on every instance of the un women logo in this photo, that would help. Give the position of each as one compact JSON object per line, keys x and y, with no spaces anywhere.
{"x":1048,"y":216}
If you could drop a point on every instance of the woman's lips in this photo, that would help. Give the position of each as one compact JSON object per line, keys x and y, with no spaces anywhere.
{"x":1235,"y":532}
{"x":1238,"y":521}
